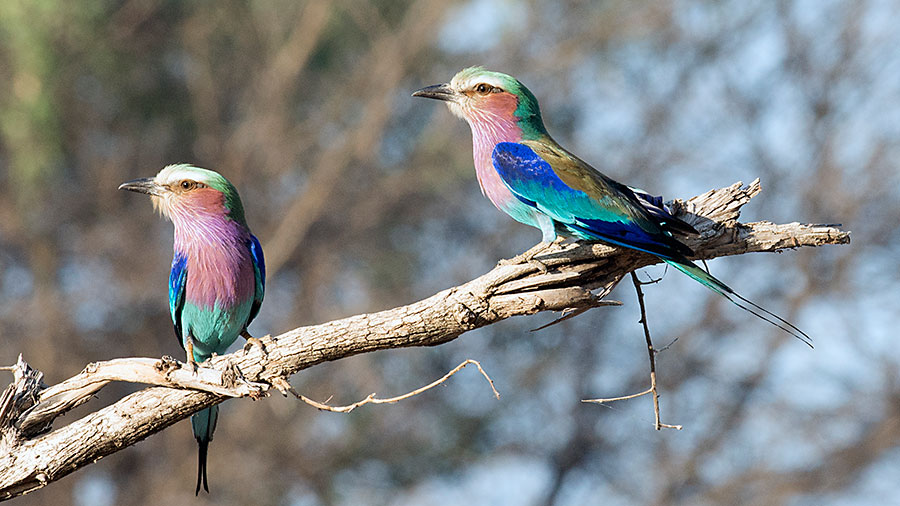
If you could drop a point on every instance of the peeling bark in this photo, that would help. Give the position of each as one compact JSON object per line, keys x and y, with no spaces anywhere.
{"x":576,"y":278}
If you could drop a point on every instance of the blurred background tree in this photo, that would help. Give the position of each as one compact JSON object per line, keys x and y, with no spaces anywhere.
{"x":366,"y":199}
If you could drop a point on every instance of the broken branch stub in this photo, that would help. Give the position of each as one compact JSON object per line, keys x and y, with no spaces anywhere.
{"x":575,"y":277}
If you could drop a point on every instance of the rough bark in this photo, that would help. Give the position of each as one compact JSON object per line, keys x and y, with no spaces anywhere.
{"x":573,"y":278}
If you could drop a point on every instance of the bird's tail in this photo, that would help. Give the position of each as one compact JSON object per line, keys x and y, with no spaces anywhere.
{"x":204,"y":424}
{"x":708,"y":280}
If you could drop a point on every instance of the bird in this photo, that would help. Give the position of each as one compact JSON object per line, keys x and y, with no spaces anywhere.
{"x":525,"y":173}
{"x":218,"y":276}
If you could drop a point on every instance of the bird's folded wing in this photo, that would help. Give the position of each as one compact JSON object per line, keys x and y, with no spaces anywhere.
{"x":177,"y":281}
{"x":654,"y":205}
{"x":574,"y":194}
{"x":259,"y":270}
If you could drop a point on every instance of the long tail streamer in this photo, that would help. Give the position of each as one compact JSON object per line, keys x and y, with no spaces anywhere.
{"x":713,"y":283}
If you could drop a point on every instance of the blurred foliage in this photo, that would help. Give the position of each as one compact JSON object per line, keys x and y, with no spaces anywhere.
{"x":365,"y":199}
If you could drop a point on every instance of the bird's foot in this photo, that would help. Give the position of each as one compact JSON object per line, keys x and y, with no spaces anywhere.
{"x":167,"y":364}
{"x":531,"y":255}
{"x":532,"y":260}
{"x":251,"y":342}
{"x":525,"y":259}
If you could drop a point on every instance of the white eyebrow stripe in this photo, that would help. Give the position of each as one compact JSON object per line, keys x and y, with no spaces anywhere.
{"x":174,"y":173}
{"x":476,"y":79}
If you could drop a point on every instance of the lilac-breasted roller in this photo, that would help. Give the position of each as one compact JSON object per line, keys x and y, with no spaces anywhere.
{"x":218,"y":273}
{"x":530,"y":177}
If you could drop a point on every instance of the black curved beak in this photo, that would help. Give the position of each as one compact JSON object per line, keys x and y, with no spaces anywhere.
{"x":143,"y":185}
{"x":438,"y":92}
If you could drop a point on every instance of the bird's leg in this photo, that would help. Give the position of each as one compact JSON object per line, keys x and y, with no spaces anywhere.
{"x":548,"y":239}
{"x":189,"y":347}
{"x":252,"y":341}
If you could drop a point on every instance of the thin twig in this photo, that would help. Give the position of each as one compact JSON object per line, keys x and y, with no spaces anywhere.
{"x":651,"y":280}
{"x":568,"y":314}
{"x":282,"y":385}
{"x":622,"y":398}
{"x":652,"y":354}
{"x":32,"y":458}
{"x":666,"y":347}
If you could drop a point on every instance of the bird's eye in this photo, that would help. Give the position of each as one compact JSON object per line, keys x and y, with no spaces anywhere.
{"x":483,"y":88}
{"x":187,"y":185}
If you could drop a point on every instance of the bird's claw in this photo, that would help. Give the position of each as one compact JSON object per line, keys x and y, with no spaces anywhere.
{"x":525,"y":258}
{"x":167,"y":364}
{"x":541,"y":266}
{"x":253,"y":341}
{"x":531,"y":255}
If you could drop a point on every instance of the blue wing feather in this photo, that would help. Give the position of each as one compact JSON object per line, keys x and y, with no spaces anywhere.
{"x":655,"y":207}
{"x":600,"y":208}
{"x":534,"y":182}
{"x":259,"y":269}
{"x":177,"y":281}
{"x":531,"y":179}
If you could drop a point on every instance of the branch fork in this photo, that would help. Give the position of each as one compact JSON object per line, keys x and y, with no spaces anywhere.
{"x":578,"y":277}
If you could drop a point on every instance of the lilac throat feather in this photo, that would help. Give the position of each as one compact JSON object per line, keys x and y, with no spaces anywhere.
{"x":219,"y":266}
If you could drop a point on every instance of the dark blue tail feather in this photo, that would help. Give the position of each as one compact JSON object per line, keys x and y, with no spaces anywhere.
{"x":204,"y":424}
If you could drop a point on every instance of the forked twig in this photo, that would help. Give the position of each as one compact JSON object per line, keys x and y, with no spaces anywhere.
{"x":30,"y":458}
{"x":282,"y":385}
{"x":652,"y":353}
{"x":568,"y":314}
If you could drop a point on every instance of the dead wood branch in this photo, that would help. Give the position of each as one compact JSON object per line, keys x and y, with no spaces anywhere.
{"x":285,"y":387}
{"x":579,"y":276}
{"x":653,"y":391}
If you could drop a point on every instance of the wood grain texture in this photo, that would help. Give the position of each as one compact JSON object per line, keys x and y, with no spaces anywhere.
{"x":574,"y":277}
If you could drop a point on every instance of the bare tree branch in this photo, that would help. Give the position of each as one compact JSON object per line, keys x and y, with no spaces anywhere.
{"x":653,"y":391}
{"x":282,"y":385}
{"x":579,"y":276}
